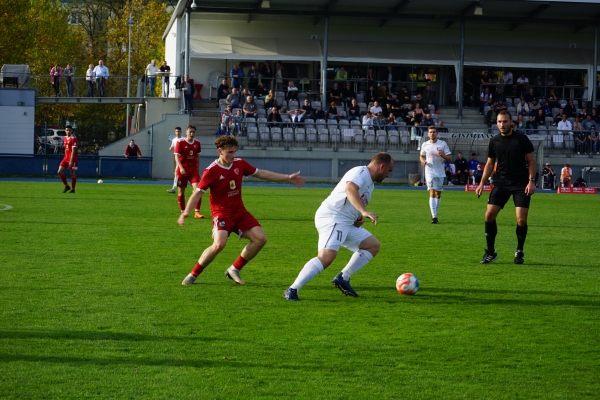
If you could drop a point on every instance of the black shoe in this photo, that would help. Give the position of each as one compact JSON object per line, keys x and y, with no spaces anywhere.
{"x":72,"y":191}
{"x":434,"y":220}
{"x":291,"y":294}
{"x":343,"y":285}
{"x":519,"y":257}
{"x":66,"y":189}
{"x":488,"y":257}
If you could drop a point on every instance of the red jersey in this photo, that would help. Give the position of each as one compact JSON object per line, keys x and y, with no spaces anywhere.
{"x":70,"y":144}
{"x":188,"y":155}
{"x":225,"y":184}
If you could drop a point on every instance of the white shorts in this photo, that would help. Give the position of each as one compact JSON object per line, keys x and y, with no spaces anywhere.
{"x":436,"y":184}
{"x":333,"y":235}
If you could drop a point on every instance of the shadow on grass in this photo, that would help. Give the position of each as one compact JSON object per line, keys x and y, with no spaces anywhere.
{"x":94,"y":336}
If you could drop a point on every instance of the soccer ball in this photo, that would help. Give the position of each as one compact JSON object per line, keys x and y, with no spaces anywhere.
{"x":407,"y":284}
{"x":100,"y":181}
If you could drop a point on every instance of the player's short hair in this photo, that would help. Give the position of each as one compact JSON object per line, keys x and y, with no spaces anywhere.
{"x":226,"y":141}
{"x":177,"y":128}
{"x":382,"y":158}
{"x":191,"y":127}
{"x":430,"y":127}
{"x":68,"y":127}
{"x":505,"y":112}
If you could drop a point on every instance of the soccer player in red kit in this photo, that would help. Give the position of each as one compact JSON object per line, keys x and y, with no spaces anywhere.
{"x":69,"y":160}
{"x":224,"y":179}
{"x":188,"y":163}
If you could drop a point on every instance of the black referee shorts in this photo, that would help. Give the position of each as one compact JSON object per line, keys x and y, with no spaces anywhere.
{"x":501,"y":193}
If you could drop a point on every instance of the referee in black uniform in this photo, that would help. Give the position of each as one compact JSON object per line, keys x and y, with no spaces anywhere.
{"x":515,"y":175}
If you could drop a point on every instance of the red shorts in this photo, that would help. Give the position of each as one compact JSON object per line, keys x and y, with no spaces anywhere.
{"x":238,"y":223}
{"x":65,"y":164}
{"x":182,"y":180}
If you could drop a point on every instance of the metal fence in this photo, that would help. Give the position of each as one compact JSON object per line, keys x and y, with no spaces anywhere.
{"x":114,"y":86}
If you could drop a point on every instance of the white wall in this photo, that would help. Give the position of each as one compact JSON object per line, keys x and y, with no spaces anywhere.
{"x":17,"y":121}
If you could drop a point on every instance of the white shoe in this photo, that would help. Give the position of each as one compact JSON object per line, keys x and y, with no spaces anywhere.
{"x":450,"y":184}
{"x":188,"y":280}
{"x":172,"y":190}
{"x":234,"y":275}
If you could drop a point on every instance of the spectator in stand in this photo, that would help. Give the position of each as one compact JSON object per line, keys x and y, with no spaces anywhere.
{"x":225,"y":122}
{"x":580,"y":140}
{"x":529,"y":96}
{"x":390,"y":78}
{"x":252,"y":79}
{"x":274,"y":118}
{"x":332,"y":112}
{"x":370,"y":79}
{"x":243,"y":96}
{"x":593,"y":141}
{"x":564,"y":126}
{"x":490,"y":117}
{"x":408,"y":114}
{"x":132,"y":151}
{"x":522,"y":108}
{"x":418,"y":113}
{"x":101,"y":73}
{"x":348,"y":94}
{"x":577,"y":126}
{"x":151,"y":72}
{"x":546,"y":107}
{"x":429,"y":98}
{"x":280,"y":73}
{"x":441,"y":127}
{"x":404,"y":95}
{"x":391,"y":122}
{"x":540,"y":118}
{"x":595,"y":117}
{"x":477,"y":174}
{"x":552,"y":99}
{"x":379,"y":121}
{"x":522,"y":81}
{"x":260,"y":92}
{"x":90,"y":77}
{"x":356,"y":76}
{"x":550,"y":81}
{"x":462,"y":168}
{"x":500,"y":105}
{"x":507,"y":80}
{"x":566,"y":173}
{"x":427,"y":121}
{"x":570,"y":110}
{"x":420,"y":101}
{"x":238,"y":119}
{"x":367,"y":121}
{"x":335,"y":94}
{"x":449,"y":170}
{"x":485,"y":99}
{"x":381,"y":94}
{"x":588,"y":122}
{"x":473,"y":163}
{"x":521,"y":125}
{"x":223,"y":90}
{"x":69,"y":73}
{"x":468,"y":91}
{"x":55,"y":74}
{"x":266,"y":73}
{"x":237,"y":77}
{"x":165,"y":71}
{"x":270,"y":99}
{"x":531,"y":125}
{"x":233,"y":100}
{"x":376,"y":109}
{"x":485,"y":78}
{"x":388,"y":104}
{"x":558,"y":117}
{"x":534,"y":107}
{"x":307,"y":108}
{"x":582,"y":115}
{"x":371,"y":95}
{"x":292,"y":91}
{"x":549,"y":176}
{"x":188,"y":94}
{"x":297,"y":116}
{"x":249,"y":108}
{"x":319,"y":113}
{"x":353,"y":111}
{"x":539,"y":83}
{"x":341,"y":75}
{"x":397,"y":107}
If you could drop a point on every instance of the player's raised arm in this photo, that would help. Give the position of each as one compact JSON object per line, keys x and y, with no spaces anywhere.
{"x":354,"y":199}
{"x":294,"y":178}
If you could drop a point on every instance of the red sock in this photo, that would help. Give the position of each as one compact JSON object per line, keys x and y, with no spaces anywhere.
{"x":63,"y":178}
{"x":198,"y":205}
{"x":181,"y":200}
{"x":239,"y":263}
{"x":73,"y":182}
{"x":197,"y":270}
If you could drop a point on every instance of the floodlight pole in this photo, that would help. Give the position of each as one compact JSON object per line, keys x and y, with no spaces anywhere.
{"x":128,"y":122}
{"x":461,"y":72}
{"x":594,"y":76}
{"x":324,"y":65}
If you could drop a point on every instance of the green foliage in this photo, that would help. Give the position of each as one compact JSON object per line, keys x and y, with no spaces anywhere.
{"x":91,"y":303}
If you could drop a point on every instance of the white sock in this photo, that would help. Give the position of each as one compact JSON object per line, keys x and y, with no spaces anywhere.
{"x":174,"y":182}
{"x":432,"y":206}
{"x":358,"y":260}
{"x":437,"y":205}
{"x":310,"y":270}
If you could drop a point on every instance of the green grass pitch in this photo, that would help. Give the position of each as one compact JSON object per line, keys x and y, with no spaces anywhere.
{"x":91,"y":302}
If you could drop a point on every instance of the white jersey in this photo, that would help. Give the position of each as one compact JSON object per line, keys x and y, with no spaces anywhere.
{"x":174,"y":142}
{"x":336,"y":207}
{"x":435,"y":163}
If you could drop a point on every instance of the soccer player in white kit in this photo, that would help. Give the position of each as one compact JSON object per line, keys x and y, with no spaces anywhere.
{"x":433,"y":154}
{"x":339,"y":222}
{"x":176,"y":139}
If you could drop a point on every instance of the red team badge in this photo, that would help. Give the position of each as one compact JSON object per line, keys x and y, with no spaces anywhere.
{"x":237,"y":171}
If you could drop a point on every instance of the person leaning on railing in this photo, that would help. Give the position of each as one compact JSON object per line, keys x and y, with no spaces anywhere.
{"x":90,"y":77}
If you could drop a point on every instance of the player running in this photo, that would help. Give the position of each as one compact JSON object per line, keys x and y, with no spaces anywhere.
{"x":224,"y":179}
{"x":188,"y":164}
{"x":69,"y":161}
{"x":515,"y":175}
{"x":339,"y":222}
{"x":433,"y":154}
{"x":176,"y":139}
